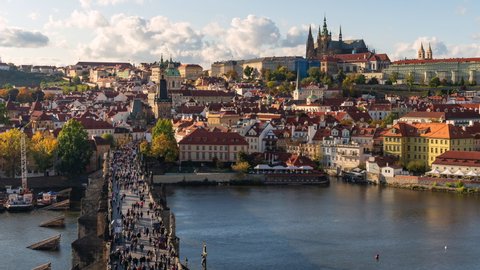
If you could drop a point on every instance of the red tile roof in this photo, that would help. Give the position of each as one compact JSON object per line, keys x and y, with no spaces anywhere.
{"x":428,"y":61}
{"x":204,"y":137}
{"x":459,"y":158}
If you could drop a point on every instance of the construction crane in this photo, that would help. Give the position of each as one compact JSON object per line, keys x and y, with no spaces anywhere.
{"x":23,"y":159}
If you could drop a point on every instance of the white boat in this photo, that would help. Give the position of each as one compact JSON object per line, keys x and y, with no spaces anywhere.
{"x":19,"y":202}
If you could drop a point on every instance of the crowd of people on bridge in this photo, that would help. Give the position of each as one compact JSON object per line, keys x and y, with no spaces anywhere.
{"x":140,"y":239}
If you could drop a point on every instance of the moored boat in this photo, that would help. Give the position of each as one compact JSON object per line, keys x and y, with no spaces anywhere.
{"x":19,"y":202}
{"x":46,"y":198}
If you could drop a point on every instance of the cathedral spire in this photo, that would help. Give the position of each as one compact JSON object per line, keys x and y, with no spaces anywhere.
{"x":310,"y":52}
{"x":421,"y":52}
{"x":429,"y":52}
{"x":340,"y":34}
{"x":325,"y":30}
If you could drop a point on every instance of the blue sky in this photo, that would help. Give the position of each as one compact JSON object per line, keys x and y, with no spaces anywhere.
{"x":202,"y":31}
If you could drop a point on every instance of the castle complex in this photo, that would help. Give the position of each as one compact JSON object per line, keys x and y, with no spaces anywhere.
{"x":325,"y":46}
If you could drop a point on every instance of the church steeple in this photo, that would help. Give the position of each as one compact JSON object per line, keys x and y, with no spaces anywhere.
{"x":421,"y":52}
{"x":310,"y":52}
{"x":325,"y":30}
{"x":429,"y":52}
{"x":340,"y":34}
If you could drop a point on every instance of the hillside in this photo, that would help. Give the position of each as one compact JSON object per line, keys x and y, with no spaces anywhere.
{"x":19,"y":78}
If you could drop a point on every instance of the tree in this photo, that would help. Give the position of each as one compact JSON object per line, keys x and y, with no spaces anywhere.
{"x":373,"y":80}
{"x":10,"y":151}
{"x":24,"y":95}
{"x":73,"y":148}
{"x":163,"y":126}
{"x":162,"y":147}
{"x":241,"y":166}
{"x":410,"y":81}
{"x":145,"y":148}
{"x":231,"y":75}
{"x":360,"y":79}
{"x":434,"y":82}
{"x":43,"y":149}
{"x":389,"y":118}
{"x":109,"y":138}
{"x":248,"y":72}
{"x":416,"y":166}
{"x":76,"y":80}
{"x":393,"y":77}
{"x":340,"y":76}
{"x":4,"y":119}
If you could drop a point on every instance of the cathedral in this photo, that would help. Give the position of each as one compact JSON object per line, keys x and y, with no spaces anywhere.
{"x":325,"y":46}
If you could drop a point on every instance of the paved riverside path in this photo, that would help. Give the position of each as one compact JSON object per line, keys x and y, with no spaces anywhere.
{"x":137,"y":243}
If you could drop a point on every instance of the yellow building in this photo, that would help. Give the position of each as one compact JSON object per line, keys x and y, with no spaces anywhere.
{"x":425,"y":141}
{"x":190,"y":71}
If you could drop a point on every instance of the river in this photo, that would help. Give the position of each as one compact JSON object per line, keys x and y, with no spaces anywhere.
{"x":19,"y":230}
{"x":338,"y":227}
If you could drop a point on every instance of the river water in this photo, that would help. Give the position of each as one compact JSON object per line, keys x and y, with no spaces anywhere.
{"x":338,"y":227}
{"x":19,"y":230}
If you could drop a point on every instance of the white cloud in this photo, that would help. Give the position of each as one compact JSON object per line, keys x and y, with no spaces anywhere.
{"x":439,"y":48}
{"x":21,"y":38}
{"x":79,"y":19}
{"x":89,"y":3}
{"x":135,"y":38}
{"x":251,"y":36}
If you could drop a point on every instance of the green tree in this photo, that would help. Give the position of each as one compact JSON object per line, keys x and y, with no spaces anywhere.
{"x":393,"y":77}
{"x":4,"y":119}
{"x":389,"y":118}
{"x":231,"y":75}
{"x":416,"y":166}
{"x":410,"y":81}
{"x":434,"y":82}
{"x":43,"y":149}
{"x":373,"y":81}
{"x":163,"y":126}
{"x":10,"y":151}
{"x":360,"y":79}
{"x":340,"y":76}
{"x":248,"y":72}
{"x":109,"y":138}
{"x":73,"y":148}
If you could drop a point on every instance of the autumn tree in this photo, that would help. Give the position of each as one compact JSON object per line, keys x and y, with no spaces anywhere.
{"x":241,"y":166}
{"x":162,"y":147}
{"x":43,"y":149}
{"x":163,"y":143}
{"x":73,"y":148}
{"x":10,"y":151}
{"x":24,"y":95}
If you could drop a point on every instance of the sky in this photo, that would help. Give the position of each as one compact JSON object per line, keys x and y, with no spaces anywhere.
{"x":54,"y":32}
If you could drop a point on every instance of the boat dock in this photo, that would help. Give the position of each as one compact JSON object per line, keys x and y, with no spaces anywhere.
{"x":54,"y":222}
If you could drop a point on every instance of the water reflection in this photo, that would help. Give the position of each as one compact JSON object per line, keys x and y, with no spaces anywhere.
{"x":339,"y":227}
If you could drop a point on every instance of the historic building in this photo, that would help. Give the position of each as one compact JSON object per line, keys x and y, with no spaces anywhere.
{"x":425,"y":141}
{"x":325,"y":46}
{"x":163,"y":103}
{"x":206,"y":145}
{"x":425,"y":68}
{"x":169,"y":72}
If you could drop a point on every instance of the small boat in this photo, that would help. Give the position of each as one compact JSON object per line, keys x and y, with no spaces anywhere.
{"x":46,"y":198}
{"x":19,"y":202}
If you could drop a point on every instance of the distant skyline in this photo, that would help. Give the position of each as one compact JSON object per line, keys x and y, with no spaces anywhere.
{"x":61,"y":33}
